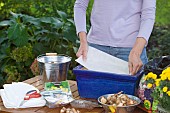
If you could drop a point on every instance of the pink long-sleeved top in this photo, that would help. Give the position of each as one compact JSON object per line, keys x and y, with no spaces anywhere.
{"x":116,"y":23}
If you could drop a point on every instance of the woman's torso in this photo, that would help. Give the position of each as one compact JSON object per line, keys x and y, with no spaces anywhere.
{"x":115,"y":23}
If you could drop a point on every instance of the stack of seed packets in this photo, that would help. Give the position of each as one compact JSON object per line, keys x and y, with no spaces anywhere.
{"x":57,"y":94}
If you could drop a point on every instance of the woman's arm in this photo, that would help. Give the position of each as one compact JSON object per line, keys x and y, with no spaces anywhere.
{"x":80,"y":7}
{"x":147,"y":18}
{"x":146,"y":26}
{"x":80,"y":22}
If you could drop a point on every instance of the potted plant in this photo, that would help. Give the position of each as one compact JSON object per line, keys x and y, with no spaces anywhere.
{"x":159,"y":85}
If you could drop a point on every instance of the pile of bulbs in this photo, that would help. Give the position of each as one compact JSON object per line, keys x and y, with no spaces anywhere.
{"x":118,"y":100}
{"x":69,"y":110}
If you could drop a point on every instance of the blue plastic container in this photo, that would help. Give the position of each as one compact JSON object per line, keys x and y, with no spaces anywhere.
{"x":92,"y":84}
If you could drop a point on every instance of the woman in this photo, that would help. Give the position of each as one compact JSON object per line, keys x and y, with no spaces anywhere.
{"x":119,"y":27}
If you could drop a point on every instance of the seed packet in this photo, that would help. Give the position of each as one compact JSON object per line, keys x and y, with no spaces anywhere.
{"x":57,"y":94}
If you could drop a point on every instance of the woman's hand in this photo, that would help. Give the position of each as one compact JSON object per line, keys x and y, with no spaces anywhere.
{"x":83,"y":49}
{"x":135,"y":62}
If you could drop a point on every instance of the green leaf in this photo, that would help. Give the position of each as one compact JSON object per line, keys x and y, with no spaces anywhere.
{"x":56,"y":22}
{"x":71,"y":21}
{"x":63,"y":15}
{"x":32,"y":20}
{"x":13,"y":31}
{"x":70,"y":34}
{"x":45,"y":20}
{"x":18,"y":34}
{"x":22,"y":38}
{"x":32,"y":39}
{"x":5,"y":23}
{"x":15,"y":15}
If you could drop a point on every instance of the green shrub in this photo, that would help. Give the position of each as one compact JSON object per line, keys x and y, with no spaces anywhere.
{"x":159,"y":42}
{"x":23,"y":38}
{"x":39,"y":8}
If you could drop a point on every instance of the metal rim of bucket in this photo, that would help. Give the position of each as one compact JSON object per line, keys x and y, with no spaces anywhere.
{"x":62,"y":55}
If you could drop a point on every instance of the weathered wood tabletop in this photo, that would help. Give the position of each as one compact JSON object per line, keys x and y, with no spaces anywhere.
{"x":36,"y":81}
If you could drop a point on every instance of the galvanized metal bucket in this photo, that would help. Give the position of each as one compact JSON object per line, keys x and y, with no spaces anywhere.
{"x":53,"y":67}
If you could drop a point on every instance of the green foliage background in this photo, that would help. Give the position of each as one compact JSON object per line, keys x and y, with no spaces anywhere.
{"x":29,"y":28}
{"x":162,"y":12}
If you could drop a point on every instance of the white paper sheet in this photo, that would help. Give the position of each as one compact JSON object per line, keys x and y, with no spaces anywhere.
{"x":13,"y":96}
{"x":100,"y":61}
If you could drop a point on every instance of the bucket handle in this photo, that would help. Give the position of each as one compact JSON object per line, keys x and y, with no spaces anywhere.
{"x":51,"y":54}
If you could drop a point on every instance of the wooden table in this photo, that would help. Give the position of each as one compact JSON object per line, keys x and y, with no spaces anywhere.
{"x":36,"y":81}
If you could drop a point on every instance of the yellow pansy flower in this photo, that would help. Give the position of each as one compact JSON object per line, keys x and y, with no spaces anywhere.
{"x":163,"y":77}
{"x":165,"y":89}
{"x":154,"y":76}
{"x":149,"y":85}
{"x":168,"y":92}
{"x":150,"y":75}
{"x":167,"y":70}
